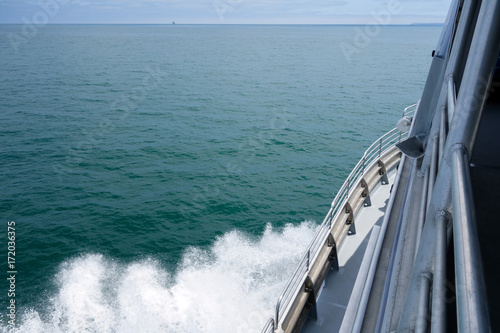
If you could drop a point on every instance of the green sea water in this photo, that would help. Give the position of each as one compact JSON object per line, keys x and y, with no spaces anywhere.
{"x":167,"y":178}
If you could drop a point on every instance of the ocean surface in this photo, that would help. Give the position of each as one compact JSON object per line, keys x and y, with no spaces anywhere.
{"x":167,"y":178}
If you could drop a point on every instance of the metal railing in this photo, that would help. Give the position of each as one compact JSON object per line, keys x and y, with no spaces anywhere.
{"x":269,"y":328}
{"x":472,"y":310}
{"x":371,"y":156}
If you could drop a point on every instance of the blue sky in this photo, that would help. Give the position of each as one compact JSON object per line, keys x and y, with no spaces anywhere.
{"x":224,"y":11}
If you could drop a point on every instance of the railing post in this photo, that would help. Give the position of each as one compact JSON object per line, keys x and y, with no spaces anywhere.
{"x":472,"y":308}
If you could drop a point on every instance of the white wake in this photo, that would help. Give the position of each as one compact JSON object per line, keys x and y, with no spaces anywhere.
{"x":230,"y":287}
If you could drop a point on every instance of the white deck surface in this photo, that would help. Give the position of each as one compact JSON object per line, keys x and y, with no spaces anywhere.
{"x":334,"y":297}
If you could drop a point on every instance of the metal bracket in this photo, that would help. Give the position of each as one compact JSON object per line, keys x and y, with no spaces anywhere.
{"x":383,"y":173}
{"x":412,"y":147}
{"x":311,"y":299}
{"x":366,"y":193}
{"x":333,"y":256}
{"x":350,"y":219}
{"x":348,"y":208}
{"x":352,"y":229}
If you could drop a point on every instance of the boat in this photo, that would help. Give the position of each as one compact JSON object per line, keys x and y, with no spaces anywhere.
{"x":409,"y":242}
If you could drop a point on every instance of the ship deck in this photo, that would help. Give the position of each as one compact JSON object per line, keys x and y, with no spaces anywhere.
{"x":354,"y":257}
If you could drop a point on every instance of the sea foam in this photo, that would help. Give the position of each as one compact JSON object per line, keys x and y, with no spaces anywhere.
{"x":231,"y":286}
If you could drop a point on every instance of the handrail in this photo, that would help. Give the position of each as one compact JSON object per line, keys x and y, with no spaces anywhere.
{"x":269,"y":328}
{"x":410,"y":110}
{"x":472,"y":309}
{"x":371,"y":156}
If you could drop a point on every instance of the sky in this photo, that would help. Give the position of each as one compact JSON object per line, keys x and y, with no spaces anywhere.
{"x":41,"y":12}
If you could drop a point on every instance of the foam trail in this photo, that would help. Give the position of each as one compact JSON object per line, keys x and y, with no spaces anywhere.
{"x":230,"y":287}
